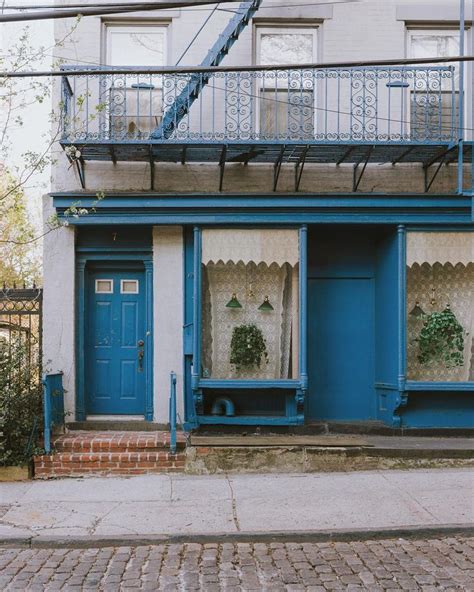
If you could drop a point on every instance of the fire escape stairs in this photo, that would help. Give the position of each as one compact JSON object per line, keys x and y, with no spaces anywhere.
{"x":216,"y":54}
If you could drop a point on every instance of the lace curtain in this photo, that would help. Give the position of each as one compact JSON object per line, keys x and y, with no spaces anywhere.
{"x":252,"y":283}
{"x":453,"y":284}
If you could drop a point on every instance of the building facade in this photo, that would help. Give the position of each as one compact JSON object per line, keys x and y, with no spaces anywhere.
{"x":295,"y":242}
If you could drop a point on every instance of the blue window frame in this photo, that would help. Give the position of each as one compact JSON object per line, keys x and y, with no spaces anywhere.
{"x":293,"y":390}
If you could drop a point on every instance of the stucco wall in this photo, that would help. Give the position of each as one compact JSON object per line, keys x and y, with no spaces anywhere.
{"x":59,"y":306}
{"x":168,"y":298}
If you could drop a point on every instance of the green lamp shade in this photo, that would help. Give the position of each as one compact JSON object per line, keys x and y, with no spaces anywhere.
{"x":266,"y":306}
{"x":417,"y":311}
{"x":233,"y":302}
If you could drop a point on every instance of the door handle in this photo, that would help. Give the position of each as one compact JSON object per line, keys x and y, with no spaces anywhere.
{"x":141,"y":354}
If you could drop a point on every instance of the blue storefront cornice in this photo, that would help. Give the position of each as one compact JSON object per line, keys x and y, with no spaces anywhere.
{"x":279,"y":209}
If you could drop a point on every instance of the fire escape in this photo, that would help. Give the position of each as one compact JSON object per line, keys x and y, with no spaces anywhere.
{"x":276,"y":115}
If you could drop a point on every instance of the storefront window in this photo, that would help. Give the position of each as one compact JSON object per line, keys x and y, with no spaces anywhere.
{"x":440,"y":306}
{"x":250,"y":303}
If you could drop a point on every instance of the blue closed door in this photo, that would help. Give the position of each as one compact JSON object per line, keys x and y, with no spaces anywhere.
{"x":115,"y":343}
{"x":341,"y":349}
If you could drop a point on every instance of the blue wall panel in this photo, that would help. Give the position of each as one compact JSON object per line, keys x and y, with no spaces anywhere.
{"x":439,"y":410}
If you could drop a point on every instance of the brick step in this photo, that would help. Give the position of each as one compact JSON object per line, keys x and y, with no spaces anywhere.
{"x":114,"y":441}
{"x":73,"y":464}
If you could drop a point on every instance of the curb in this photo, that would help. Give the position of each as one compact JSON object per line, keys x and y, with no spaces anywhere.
{"x":318,"y":536}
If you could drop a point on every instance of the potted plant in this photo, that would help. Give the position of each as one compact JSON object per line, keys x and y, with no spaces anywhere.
{"x":441,"y":339}
{"x":247,"y":347}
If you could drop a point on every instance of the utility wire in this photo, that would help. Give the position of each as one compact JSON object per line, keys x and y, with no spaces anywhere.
{"x":197,"y":34}
{"x":121,"y":4}
{"x":395,"y":63}
{"x":98,"y":11}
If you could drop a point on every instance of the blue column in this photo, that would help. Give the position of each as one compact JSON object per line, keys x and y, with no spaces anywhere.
{"x":196,"y":373}
{"x":149,"y":340}
{"x":402,"y":316}
{"x":303,"y":313}
{"x":80,"y":341}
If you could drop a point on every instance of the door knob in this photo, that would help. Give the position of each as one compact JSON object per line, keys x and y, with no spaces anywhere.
{"x":141,"y":343}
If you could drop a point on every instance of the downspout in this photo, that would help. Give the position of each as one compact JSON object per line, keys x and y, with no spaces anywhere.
{"x":461,"y":98}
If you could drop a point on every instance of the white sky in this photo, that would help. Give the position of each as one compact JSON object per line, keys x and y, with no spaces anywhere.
{"x":33,"y":134}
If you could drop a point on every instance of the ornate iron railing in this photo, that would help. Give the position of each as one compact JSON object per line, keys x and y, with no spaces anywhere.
{"x":310,"y":105}
{"x":21,"y":331}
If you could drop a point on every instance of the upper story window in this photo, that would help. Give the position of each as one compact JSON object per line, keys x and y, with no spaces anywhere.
{"x":434,"y":106}
{"x":135,"y":100}
{"x":286,"y":98}
{"x":136,"y":45}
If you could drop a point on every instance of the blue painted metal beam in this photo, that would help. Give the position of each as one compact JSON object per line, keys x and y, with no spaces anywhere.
{"x":216,"y":54}
{"x":284,"y":210}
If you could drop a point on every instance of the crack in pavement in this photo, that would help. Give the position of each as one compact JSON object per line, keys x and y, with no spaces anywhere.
{"x":409,"y":497}
{"x":235,"y":517}
{"x":99,"y":519}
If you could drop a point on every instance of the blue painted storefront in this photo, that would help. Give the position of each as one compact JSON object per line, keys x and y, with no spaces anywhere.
{"x":353,"y":318}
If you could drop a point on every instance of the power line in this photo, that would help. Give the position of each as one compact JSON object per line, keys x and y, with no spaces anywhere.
{"x":100,"y":11}
{"x":121,"y":4}
{"x":395,"y":63}
{"x":209,"y":16}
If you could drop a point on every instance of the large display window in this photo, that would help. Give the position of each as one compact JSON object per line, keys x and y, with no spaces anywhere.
{"x":440,"y":306}
{"x":250,"y":304}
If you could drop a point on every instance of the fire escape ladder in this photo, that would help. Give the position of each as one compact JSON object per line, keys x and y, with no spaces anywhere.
{"x":216,"y":54}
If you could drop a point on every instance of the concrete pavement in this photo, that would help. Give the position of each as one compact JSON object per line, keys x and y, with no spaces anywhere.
{"x":183,"y":507}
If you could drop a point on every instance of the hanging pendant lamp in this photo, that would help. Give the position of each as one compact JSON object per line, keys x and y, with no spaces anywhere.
{"x":233,"y":302}
{"x":266,"y":305}
{"x":417,"y":311}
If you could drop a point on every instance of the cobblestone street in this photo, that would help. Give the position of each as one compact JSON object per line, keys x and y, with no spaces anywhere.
{"x":397,"y":564}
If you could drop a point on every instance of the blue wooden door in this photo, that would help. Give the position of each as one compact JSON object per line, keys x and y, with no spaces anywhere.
{"x":341,"y":349}
{"x":115,"y":343}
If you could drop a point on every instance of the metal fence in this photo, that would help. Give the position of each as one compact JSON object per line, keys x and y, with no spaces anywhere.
{"x":336,"y":105}
{"x":21,"y":332}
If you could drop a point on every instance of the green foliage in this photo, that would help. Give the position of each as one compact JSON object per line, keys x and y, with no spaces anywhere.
{"x":20,"y":403}
{"x":441,"y":339}
{"x":19,"y":259}
{"x":247,"y":347}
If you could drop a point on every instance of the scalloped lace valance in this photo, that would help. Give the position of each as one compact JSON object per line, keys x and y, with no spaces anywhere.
{"x":440,"y":247}
{"x":267,"y":245}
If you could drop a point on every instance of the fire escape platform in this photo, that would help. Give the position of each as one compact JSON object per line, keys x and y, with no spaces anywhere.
{"x":274,"y":152}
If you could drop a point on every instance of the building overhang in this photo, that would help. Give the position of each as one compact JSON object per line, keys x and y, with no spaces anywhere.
{"x":280,"y":209}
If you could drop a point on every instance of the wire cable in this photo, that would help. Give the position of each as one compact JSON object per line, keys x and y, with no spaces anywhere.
{"x":395,"y":63}
{"x":197,"y":34}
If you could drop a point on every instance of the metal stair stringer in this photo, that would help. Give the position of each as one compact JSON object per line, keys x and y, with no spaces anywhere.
{"x":216,"y":54}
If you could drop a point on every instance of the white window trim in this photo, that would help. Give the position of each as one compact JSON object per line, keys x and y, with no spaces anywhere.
{"x":122,"y":291}
{"x":268,"y":29}
{"x":97,"y":291}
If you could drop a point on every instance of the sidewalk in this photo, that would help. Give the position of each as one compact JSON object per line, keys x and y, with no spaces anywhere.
{"x":180,"y":507}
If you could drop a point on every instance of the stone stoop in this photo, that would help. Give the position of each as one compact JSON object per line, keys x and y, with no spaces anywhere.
{"x":87,"y":453}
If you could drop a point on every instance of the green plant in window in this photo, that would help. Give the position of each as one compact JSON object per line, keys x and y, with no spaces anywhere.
{"x":442,"y":339}
{"x":247,"y":347}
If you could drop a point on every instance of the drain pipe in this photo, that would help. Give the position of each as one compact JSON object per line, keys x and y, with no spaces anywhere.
{"x":222,"y":404}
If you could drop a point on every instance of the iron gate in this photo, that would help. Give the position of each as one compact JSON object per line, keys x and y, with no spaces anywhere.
{"x":21,"y":329}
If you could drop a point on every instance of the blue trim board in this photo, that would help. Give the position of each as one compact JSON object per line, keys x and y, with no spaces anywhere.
{"x":428,"y":387}
{"x":297,"y":209}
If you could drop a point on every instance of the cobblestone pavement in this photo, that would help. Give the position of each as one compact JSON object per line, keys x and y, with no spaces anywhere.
{"x":397,"y":564}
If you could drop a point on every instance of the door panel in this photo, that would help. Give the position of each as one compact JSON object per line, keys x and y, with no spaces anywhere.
{"x":115,"y":324}
{"x":341,"y":349}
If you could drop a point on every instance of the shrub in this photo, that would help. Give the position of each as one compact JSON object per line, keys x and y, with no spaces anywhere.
{"x":20,"y":402}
